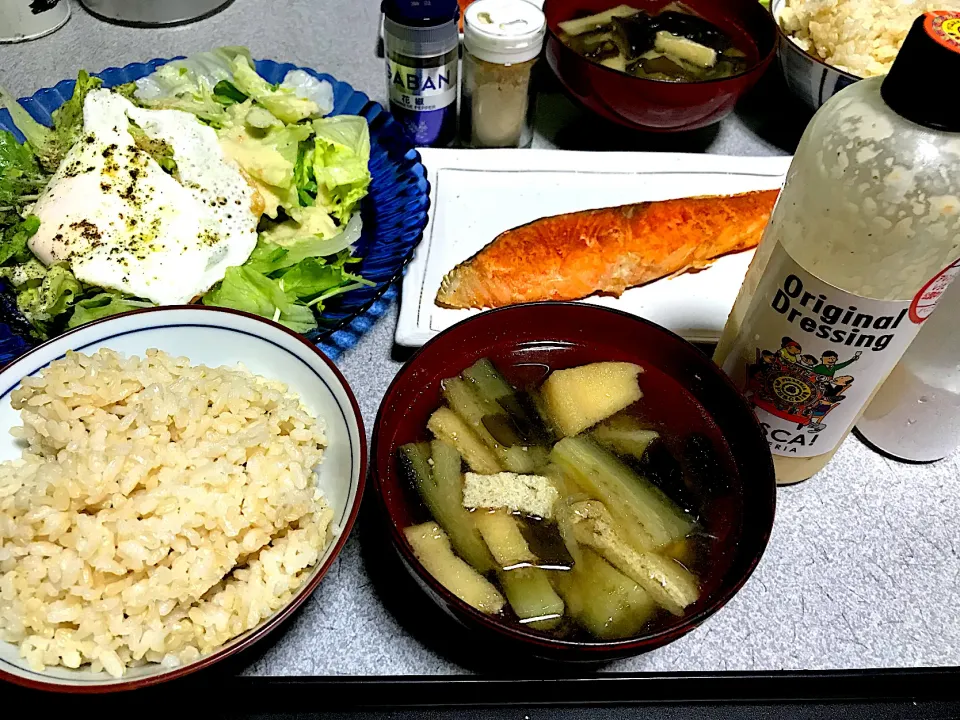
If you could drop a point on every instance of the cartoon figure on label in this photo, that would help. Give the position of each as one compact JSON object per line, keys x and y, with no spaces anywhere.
{"x":829,"y":365}
{"x":832,"y":398}
{"x":795,"y":386}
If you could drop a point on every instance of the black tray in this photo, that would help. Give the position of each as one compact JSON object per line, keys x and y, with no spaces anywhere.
{"x":916,"y":693}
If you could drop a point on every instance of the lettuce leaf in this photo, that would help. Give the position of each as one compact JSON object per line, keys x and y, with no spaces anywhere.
{"x":305,"y":85}
{"x":127,"y":90}
{"x":204,"y":83}
{"x":340,"y":163}
{"x":13,"y":240}
{"x":68,"y":118}
{"x":226,"y":92}
{"x":309,"y":278}
{"x":39,"y":137}
{"x":268,"y":156}
{"x":157,"y":148}
{"x":283,"y":282}
{"x":200,"y":70}
{"x":282,"y":101}
{"x":283,"y":247}
{"x":43,"y":293}
{"x":303,"y":177}
{"x":190,"y":84}
{"x":50,"y":145}
{"x":262,"y":119}
{"x":313,"y":222}
{"x":25,"y":273}
{"x":243,"y":288}
{"x":58,"y":290}
{"x":21,"y":179}
{"x":103,"y":305}
{"x":312,"y":280}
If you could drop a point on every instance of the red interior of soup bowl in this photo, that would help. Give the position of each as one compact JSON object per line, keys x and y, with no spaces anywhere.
{"x":682,"y":387}
{"x":656,"y":105}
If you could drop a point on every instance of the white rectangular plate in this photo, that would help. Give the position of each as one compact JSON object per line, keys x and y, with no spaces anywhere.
{"x":477,"y":194}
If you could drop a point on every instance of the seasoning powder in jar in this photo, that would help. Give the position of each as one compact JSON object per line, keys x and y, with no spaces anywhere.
{"x":421,"y":43}
{"x":502,"y":40}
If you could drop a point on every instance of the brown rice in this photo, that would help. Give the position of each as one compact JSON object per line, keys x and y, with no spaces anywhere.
{"x":861,"y":37}
{"x":159,"y":509}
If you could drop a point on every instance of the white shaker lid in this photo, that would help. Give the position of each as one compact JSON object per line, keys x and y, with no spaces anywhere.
{"x":503,"y":31}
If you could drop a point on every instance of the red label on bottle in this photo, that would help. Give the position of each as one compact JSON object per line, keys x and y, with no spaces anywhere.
{"x":926,"y":300}
{"x":944,"y":27}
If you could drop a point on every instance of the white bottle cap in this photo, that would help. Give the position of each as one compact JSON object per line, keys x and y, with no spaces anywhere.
{"x":503,"y":31}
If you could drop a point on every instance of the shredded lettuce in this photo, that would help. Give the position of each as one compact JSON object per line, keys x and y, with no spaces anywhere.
{"x":340,"y":163}
{"x":50,"y":145}
{"x":282,"y":101}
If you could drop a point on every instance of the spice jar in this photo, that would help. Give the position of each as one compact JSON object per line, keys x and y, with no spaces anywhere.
{"x":421,"y":45}
{"x":502,"y":40}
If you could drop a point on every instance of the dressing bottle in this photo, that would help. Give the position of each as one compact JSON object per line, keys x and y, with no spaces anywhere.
{"x":863,"y":240}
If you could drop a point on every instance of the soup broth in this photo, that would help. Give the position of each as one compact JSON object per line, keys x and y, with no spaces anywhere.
{"x":591,"y":503}
{"x":673,"y":45}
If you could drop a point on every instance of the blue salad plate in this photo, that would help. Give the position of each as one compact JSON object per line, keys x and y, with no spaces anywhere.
{"x":394,"y":212}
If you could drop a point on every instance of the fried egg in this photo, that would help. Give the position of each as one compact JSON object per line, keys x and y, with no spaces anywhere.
{"x":121,"y":222}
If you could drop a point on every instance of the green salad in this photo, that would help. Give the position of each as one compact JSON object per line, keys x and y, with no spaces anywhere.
{"x":201,"y":182}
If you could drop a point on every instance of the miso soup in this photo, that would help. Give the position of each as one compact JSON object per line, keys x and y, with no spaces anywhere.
{"x":592,"y":503}
{"x":674,"y":45}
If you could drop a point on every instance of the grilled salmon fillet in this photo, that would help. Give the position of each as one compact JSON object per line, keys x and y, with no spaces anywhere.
{"x":567,"y":257}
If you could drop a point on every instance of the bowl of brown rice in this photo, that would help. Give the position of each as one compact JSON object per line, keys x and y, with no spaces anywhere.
{"x":826,"y":45}
{"x":174,"y":483}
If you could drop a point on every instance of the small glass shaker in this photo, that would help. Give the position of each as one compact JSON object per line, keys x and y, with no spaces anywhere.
{"x":502,"y":40}
{"x":915,"y":415}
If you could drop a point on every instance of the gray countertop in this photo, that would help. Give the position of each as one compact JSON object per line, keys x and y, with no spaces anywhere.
{"x":862,"y":570}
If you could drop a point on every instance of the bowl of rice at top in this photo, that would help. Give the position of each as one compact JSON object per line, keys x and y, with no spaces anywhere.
{"x":174,"y":483}
{"x":826,"y":45}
